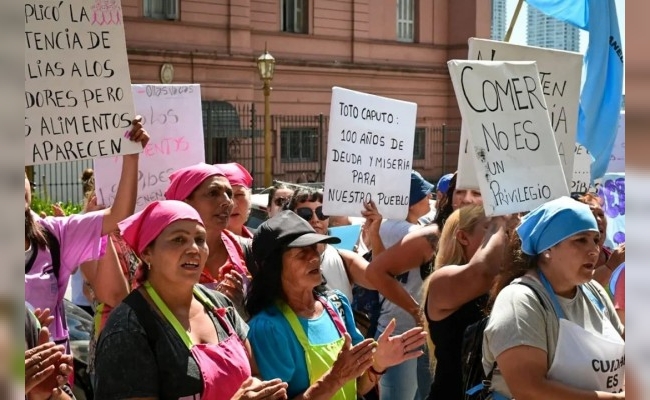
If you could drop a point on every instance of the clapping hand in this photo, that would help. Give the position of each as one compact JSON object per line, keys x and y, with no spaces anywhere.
{"x":254,"y":389}
{"x":393,"y":350}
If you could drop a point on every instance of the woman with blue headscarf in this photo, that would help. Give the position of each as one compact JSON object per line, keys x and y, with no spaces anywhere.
{"x":557,"y":336}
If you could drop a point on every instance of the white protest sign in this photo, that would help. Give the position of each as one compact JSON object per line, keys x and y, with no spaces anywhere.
{"x":617,"y":159}
{"x":560,"y":73}
{"x":369,"y":154}
{"x":78,"y":101}
{"x":581,"y":170}
{"x":172,"y":115}
{"x":503,"y":107}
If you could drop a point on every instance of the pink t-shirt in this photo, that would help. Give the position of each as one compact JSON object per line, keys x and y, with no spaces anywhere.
{"x":80,"y":240}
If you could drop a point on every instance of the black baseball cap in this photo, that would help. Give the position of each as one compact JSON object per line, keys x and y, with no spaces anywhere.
{"x":285,"y":229}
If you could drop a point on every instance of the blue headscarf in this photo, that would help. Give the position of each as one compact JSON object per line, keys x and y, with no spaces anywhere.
{"x":552,"y":222}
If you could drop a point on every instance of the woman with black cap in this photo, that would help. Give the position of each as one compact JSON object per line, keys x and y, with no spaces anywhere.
{"x":295,"y":332}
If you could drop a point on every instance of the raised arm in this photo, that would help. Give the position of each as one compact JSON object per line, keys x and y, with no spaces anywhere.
{"x":454,"y":285}
{"x":106,"y":278}
{"x":415,"y":249}
{"x":127,"y":188}
{"x":356,"y":267}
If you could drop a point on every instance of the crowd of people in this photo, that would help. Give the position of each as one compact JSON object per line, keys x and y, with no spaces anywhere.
{"x":190,"y":303}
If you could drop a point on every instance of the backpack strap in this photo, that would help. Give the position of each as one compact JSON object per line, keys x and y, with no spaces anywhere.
{"x":144,"y":313}
{"x":55,"y":252}
{"x":485,"y":385}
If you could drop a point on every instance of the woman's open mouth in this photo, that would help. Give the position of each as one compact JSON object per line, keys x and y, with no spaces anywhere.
{"x":190,"y":265}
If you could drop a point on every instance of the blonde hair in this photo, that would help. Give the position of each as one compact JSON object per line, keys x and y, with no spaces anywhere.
{"x":450,"y":252}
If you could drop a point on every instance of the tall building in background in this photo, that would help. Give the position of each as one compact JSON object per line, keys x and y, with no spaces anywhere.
{"x":545,"y":31}
{"x":498,"y":30}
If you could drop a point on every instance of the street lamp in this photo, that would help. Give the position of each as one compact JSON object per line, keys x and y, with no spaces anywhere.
{"x":266,"y":66}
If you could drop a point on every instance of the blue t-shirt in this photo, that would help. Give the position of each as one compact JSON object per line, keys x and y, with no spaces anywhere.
{"x":279,"y":354}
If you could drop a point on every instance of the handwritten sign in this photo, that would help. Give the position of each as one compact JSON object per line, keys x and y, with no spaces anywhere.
{"x":78,"y":101}
{"x":560,"y":74}
{"x":369,"y":154}
{"x":503,"y":107}
{"x":581,"y":181}
{"x":612,"y":191}
{"x":617,"y":159}
{"x":172,"y":115}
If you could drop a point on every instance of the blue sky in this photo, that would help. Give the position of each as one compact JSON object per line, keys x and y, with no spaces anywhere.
{"x":519,"y":33}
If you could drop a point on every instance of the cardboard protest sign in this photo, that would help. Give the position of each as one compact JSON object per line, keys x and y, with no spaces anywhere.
{"x":503,"y":107}
{"x":617,"y":159}
{"x":172,"y":115}
{"x":560,"y":74}
{"x":581,"y":181}
{"x":78,"y":101}
{"x":369,"y":154}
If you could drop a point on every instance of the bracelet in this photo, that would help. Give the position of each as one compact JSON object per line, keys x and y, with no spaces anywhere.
{"x":375,"y":372}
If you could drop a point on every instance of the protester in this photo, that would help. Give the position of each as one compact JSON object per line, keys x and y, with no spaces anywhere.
{"x":455,"y":199}
{"x":557,"y":336}
{"x":608,"y":259}
{"x":139,"y":353}
{"x":341,"y":268}
{"x":279,"y":196}
{"x":441,"y":190}
{"x":470,"y":255}
{"x":397,"y":282}
{"x":206,"y":188}
{"x":241,"y":182}
{"x":76,"y":239}
{"x":297,"y":335}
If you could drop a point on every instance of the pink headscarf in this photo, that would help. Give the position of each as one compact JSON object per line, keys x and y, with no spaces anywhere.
{"x":182,"y":182}
{"x":236,"y":174}
{"x":142,"y":228}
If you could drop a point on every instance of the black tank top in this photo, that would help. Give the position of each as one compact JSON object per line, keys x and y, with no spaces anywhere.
{"x":447,"y":336}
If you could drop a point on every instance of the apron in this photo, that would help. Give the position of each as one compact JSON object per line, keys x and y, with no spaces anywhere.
{"x":224,"y":366}
{"x":321,"y":357}
{"x":584,"y":359}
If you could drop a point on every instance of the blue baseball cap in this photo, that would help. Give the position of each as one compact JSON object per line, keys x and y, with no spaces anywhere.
{"x":443,"y":183}
{"x":420,"y":188}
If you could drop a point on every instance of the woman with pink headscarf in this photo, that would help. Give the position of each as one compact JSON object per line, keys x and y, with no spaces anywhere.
{"x":206,"y":188}
{"x":172,"y":338}
{"x":242,"y":182}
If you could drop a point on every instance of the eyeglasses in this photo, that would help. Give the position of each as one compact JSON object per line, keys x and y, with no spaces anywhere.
{"x":280,"y":201}
{"x":307,"y":213}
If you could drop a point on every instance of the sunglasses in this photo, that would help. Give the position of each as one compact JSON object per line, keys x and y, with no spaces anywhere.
{"x":307,"y":213}
{"x":280,"y":201}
